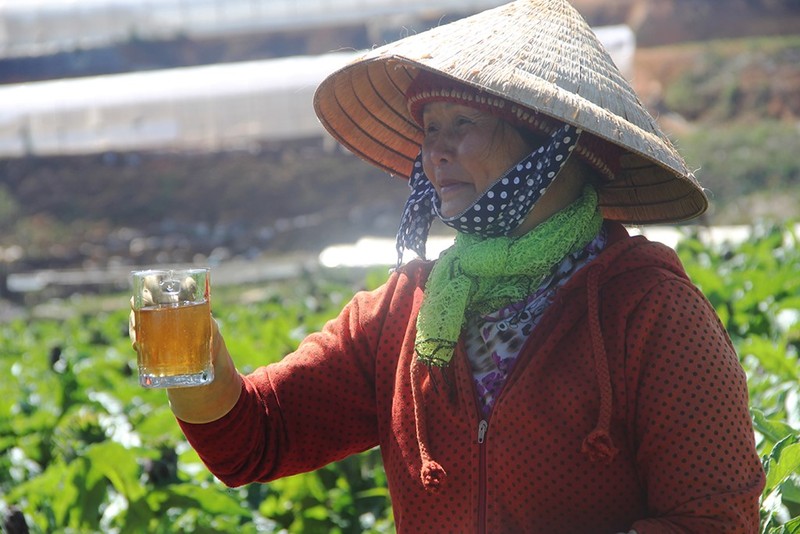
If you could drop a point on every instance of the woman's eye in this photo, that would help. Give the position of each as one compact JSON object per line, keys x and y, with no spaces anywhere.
{"x":455,"y":122}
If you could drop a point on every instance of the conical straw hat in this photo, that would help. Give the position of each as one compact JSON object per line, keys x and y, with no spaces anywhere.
{"x":540,"y":54}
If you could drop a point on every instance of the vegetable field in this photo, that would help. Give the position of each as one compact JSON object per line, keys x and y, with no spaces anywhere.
{"x":84,"y":449}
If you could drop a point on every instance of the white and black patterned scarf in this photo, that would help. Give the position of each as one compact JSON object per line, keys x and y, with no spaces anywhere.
{"x":499,"y":210}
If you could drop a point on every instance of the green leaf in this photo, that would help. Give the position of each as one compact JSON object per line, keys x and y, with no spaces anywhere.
{"x":118,"y":464}
{"x":61,"y":496}
{"x":772,"y":357}
{"x":318,"y":512}
{"x":790,"y":527}
{"x":158,"y":425}
{"x":372,"y":493}
{"x":772,"y":429}
{"x":214,"y":500}
{"x":790,"y":490}
{"x":781,"y":462}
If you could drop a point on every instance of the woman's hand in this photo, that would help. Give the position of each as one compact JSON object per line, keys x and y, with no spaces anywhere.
{"x":203,"y":404}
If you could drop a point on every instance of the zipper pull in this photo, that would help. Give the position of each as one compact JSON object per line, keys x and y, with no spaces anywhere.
{"x":483,"y":426}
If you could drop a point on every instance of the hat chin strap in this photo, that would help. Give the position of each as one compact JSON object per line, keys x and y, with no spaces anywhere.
{"x":499,"y":210}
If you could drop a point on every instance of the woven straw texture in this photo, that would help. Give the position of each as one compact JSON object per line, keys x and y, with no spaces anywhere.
{"x":540,"y":54}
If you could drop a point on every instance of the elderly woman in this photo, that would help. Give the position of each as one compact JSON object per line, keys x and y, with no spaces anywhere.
{"x":548,"y":373}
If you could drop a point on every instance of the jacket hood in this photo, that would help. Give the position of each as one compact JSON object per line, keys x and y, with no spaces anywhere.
{"x":625,"y":253}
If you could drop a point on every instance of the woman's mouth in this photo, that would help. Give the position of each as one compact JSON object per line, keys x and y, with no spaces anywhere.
{"x":449,"y":187}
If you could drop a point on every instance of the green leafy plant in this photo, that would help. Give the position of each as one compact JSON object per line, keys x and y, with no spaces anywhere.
{"x":755,"y":288}
{"x":84,"y":449}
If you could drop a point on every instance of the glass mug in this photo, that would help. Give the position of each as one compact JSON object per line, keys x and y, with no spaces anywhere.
{"x":172,"y":313}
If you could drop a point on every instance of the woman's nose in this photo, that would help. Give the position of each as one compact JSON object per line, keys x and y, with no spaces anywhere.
{"x":440,"y":148}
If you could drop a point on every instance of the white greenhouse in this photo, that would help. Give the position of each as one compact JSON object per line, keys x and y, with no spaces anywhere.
{"x":210,"y":107}
{"x":36,"y":27}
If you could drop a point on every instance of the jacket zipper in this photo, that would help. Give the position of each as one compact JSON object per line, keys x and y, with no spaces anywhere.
{"x":483,"y":427}
{"x":483,"y":423}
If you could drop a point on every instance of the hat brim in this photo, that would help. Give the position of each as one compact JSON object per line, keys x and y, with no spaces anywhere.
{"x":363,"y":106}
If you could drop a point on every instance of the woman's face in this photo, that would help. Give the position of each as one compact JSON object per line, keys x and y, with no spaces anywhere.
{"x":464,"y":151}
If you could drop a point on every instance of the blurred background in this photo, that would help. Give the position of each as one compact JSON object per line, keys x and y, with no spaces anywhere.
{"x":142,"y":132}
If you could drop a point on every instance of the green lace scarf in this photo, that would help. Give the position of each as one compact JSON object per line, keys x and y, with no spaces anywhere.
{"x":480,"y":275}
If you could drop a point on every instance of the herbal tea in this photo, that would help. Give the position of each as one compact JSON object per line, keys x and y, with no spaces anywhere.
{"x":174,"y":340}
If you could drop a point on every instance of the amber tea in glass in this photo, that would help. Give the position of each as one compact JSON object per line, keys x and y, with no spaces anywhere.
{"x":172,"y":315}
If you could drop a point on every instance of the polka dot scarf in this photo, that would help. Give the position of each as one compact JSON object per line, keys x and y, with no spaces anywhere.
{"x":499,"y":210}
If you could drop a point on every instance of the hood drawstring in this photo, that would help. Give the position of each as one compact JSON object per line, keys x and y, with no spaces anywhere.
{"x":598,"y":444}
{"x":432,"y":474}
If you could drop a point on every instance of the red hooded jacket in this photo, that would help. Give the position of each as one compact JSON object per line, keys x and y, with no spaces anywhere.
{"x":627,"y":409}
